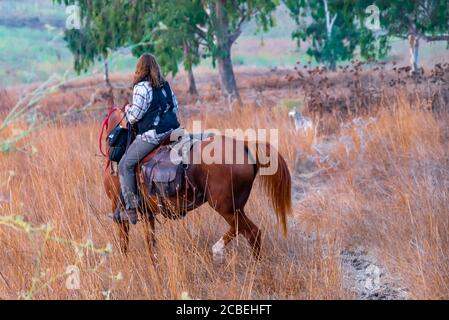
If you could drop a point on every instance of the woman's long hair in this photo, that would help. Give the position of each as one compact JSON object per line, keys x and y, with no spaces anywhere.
{"x":147,"y":69}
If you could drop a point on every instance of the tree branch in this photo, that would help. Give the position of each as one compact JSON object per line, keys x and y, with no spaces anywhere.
{"x":329,"y":22}
{"x":426,"y":11}
{"x":201,"y":33}
{"x":332,"y":23}
{"x":238,"y":30}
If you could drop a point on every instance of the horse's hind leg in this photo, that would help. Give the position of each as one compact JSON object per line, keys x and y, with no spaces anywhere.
{"x":239,"y":223}
{"x":250,"y":231}
{"x":218,"y":247}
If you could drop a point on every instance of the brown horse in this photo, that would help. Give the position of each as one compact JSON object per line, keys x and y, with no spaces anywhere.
{"x":226,"y":187}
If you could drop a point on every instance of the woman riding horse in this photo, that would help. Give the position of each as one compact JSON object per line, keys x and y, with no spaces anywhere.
{"x":153,"y":115}
{"x":224,"y":185}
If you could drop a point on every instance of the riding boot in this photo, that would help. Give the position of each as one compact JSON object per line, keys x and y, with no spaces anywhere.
{"x":130,"y":215}
{"x":116,"y":216}
{"x":121,"y":216}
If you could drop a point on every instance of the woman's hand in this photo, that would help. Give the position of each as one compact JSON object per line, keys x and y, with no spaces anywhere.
{"x":127,"y":107}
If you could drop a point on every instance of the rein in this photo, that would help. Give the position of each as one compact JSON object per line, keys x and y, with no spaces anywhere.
{"x":104,"y":127}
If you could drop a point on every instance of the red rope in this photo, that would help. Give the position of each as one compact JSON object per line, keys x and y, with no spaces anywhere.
{"x":103,"y":127}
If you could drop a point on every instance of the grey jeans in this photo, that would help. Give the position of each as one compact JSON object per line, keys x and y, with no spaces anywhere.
{"x":127,"y":166}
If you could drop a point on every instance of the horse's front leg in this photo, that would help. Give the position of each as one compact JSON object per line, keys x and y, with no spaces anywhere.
{"x":123,"y":231}
{"x":112,"y":187}
{"x":150,"y":237}
{"x":122,"y":226}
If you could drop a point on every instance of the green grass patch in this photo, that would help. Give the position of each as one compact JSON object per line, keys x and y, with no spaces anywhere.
{"x":45,"y":10}
{"x":29,"y":55}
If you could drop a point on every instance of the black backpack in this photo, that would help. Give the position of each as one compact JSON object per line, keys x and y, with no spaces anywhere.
{"x":118,"y":142}
{"x":158,"y":107}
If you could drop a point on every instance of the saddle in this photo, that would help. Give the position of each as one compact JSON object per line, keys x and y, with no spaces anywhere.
{"x":161,"y":176}
{"x":165,"y":172}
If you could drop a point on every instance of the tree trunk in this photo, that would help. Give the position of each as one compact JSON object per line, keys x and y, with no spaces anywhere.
{"x":414,"y":53}
{"x":413,"y":40}
{"x":190,"y":78}
{"x":110,"y":94}
{"x":106,"y":72}
{"x":224,"y":43}
{"x":191,"y":83}
{"x":332,"y":64}
{"x":329,"y":21}
{"x":227,"y":77}
{"x":329,"y":26}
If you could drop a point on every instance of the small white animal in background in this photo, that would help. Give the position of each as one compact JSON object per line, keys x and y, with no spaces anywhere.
{"x":301,"y":122}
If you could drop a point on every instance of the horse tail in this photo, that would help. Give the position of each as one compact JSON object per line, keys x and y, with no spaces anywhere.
{"x":277,"y":185}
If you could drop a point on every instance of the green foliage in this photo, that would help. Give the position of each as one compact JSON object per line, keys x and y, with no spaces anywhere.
{"x":222,"y":33}
{"x":178,"y":25}
{"x":105,"y":28}
{"x":171,"y":33}
{"x":422,"y":18}
{"x":174,"y":30}
{"x":245,"y":10}
{"x":335,"y":37}
{"x":163,"y":28}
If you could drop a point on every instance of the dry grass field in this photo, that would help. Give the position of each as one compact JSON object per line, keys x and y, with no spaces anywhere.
{"x":383,"y":195}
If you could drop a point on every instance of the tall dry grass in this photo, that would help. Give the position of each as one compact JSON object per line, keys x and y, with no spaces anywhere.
{"x":390,"y":197}
{"x":61,"y":183}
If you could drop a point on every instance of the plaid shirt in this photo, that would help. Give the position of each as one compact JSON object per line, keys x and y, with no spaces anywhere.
{"x":142,"y":96}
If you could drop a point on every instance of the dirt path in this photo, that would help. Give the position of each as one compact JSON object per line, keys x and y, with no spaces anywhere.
{"x":365,"y":276}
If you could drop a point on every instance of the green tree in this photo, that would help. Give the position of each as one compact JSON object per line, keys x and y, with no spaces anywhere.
{"x":332,"y":30}
{"x":171,"y":34}
{"x":145,"y":26}
{"x":104,"y":28}
{"x":225,"y":21}
{"x":416,"y":20}
{"x":336,"y":28}
{"x":175,"y":30}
